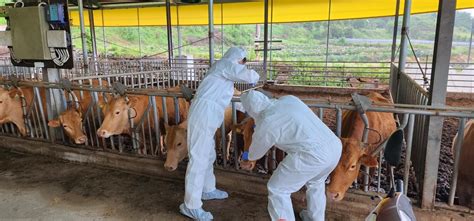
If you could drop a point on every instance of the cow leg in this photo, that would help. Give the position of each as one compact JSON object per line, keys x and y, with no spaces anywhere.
{"x":144,"y":150}
{"x":229,"y":138}
{"x":217,"y":139}
{"x":162,"y":144}
{"x":279,"y":156}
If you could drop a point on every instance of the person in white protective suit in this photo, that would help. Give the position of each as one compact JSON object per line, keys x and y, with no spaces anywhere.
{"x":313,"y":151}
{"x":206,"y":114}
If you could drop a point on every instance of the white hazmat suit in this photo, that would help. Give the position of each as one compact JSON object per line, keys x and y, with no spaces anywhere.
{"x":313,"y":152}
{"x":206,"y":114}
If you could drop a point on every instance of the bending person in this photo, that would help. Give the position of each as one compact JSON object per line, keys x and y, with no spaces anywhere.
{"x":313,"y":151}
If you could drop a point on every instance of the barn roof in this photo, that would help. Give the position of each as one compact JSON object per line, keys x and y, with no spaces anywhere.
{"x":248,"y":12}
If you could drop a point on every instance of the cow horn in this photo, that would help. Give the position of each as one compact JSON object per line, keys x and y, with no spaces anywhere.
{"x":366,"y":145}
{"x":378,"y":149}
{"x":395,"y":139}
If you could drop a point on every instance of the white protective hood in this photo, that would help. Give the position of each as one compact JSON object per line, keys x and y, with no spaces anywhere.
{"x":255,"y":102}
{"x":235,"y":54}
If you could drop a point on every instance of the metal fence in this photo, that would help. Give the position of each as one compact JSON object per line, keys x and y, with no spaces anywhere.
{"x":145,"y":130}
{"x":410,"y":92}
{"x":316,"y":73}
{"x":460,"y":77}
{"x":334,"y":73}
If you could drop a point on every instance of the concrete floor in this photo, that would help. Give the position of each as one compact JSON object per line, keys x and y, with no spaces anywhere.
{"x":34,"y":187}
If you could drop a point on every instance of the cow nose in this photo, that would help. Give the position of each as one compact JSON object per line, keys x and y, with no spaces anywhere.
{"x":334,"y":196}
{"x":170,"y":167}
{"x":81,"y":140}
{"x":102,"y":133}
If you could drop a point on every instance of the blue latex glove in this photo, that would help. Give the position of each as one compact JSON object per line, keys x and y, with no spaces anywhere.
{"x":245,"y":156}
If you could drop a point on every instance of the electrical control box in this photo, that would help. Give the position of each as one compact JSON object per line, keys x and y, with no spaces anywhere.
{"x":28,"y":27}
{"x":38,"y":34}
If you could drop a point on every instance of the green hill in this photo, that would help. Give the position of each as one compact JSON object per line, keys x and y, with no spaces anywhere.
{"x":300,"y":41}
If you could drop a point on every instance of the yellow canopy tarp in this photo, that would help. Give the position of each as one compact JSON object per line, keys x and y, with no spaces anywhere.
{"x":282,"y":11}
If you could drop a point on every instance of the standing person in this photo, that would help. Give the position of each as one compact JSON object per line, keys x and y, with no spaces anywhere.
{"x":205,"y":116}
{"x":313,"y":152}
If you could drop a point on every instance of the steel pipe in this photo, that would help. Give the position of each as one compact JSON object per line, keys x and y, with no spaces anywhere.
{"x":409,"y":139}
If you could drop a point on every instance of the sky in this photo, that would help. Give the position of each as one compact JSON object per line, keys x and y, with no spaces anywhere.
{"x":471,"y":11}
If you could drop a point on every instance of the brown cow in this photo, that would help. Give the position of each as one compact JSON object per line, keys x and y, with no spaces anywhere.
{"x":176,"y":140}
{"x":11,"y":105}
{"x":465,"y":184}
{"x":354,"y":153}
{"x":71,"y":119}
{"x":116,"y":119}
{"x":246,"y":129}
{"x":367,"y":83}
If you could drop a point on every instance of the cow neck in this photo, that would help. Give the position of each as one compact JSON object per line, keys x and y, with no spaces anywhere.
{"x":130,"y":107}
{"x":22,"y":126}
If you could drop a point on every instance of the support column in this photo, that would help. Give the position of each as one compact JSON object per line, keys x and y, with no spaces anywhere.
{"x":83,"y":36}
{"x":55,"y":102}
{"x":265,"y":43}
{"x":103,"y":34}
{"x":328,"y":36}
{"x":180,"y":42}
{"x":403,"y":47}
{"x":93,"y":39}
{"x":393,"y":73}
{"x":169,"y":32}
{"x":211,"y":31}
{"x":139,"y":38}
{"x":438,"y":86}
{"x":470,"y":43}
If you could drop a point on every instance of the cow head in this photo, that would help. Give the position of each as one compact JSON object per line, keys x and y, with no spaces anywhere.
{"x":11,"y":110}
{"x":116,"y":120}
{"x":246,"y":128}
{"x":71,"y":121}
{"x":176,"y":144}
{"x":354,"y":154}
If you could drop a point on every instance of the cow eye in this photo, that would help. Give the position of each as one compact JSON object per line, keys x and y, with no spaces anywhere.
{"x":117,"y":113}
{"x":65,"y":126}
{"x":353,"y":167}
{"x":179,"y":144}
{"x":1,"y":102}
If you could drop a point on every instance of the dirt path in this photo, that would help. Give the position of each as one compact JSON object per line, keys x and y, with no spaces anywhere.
{"x":39,"y":188}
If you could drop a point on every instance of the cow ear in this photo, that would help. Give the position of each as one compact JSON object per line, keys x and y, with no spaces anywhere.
{"x":13,"y":93}
{"x":369,"y":161}
{"x":54,"y":123}
{"x":183,"y":124}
